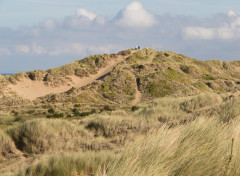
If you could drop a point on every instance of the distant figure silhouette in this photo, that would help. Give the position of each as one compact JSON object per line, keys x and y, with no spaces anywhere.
{"x":138,"y":47}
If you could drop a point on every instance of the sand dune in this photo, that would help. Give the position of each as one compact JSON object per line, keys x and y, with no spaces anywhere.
{"x":33,"y":89}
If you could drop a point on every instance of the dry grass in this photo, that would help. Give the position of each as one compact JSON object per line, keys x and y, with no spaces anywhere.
{"x":43,"y":135}
{"x":70,"y":165}
{"x":7,"y":146}
{"x":154,"y":140}
{"x":111,"y":126}
{"x":201,"y":148}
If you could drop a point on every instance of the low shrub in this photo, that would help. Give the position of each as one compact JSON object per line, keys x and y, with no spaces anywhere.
{"x":107,"y":108}
{"x":135,"y":108}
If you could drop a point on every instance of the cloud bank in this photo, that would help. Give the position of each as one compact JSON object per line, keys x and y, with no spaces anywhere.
{"x":56,"y":42}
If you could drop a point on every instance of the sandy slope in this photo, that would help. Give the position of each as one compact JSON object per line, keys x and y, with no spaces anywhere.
{"x":33,"y":89}
{"x":138,"y":97}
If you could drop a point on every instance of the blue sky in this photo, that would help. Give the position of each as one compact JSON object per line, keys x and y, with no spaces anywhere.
{"x":40,"y":34}
{"x":15,"y":13}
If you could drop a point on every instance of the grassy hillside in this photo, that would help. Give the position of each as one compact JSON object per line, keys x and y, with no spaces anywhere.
{"x":155,"y":74}
{"x":186,"y":120}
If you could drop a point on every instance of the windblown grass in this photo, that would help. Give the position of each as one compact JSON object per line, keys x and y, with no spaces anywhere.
{"x":70,"y":165}
{"x":109,"y":126}
{"x":7,"y":146}
{"x":42,"y":135}
{"x":204,"y":147}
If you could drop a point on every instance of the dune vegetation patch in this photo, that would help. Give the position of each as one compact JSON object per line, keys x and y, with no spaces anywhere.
{"x":7,"y":146}
{"x":43,"y":135}
{"x":70,"y":165}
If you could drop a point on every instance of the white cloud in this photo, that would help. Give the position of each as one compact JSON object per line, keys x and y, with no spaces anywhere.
{"x":5,"y":51}
{"x":231,"y":13}
{"x":67,"y":48}
{"x":37,"y":49}
{"x":102,"y":48}
{"x":85,"y":14}
{"x":224,"y":31}
{"x":134,"y":15}
{"x":23,"y":49}
{"x":77,"y":48}
{"x":81,"y":49}
{"x":100,"y":20}
{"x":86,"y":33}
{"x":199,"y":33}
{"x":235,"y":23}
{"x":49,"y":24}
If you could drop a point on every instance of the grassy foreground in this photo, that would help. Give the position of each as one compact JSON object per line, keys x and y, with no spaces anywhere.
{"x":197,"y":135}
{"x":204,"y":147}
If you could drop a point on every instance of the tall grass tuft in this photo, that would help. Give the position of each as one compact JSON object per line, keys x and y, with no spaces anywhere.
{"x":201,"y":148}
{"x":7,"y":147}
{"x":39,"y":136}
{"x":70,"y":165}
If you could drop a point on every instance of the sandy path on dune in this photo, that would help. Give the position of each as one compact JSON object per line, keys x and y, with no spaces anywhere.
{"x":138,"y":97}
{"x":33,"y":89}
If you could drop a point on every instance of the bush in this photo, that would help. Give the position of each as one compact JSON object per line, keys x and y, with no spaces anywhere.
{"x":107,"y":108}
{"x":51,"y":111}
{"x":135,"y":108}
{"x":31,"y":111}
{"x":93,"y":111}
{"x":208,"y":77}
{"x":55,"y":115}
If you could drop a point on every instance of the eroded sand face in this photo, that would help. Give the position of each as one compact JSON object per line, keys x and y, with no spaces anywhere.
{"x":33,"y":89}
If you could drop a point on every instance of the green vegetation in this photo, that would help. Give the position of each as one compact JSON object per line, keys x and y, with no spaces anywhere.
{"x":208,"y":77}
{"x":159,"y":89}
{"x":155,"y":113}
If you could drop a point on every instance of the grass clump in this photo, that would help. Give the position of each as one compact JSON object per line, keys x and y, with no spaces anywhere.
{"x":208,"y":77}
{"x":110,"y":127}
{"x":7,"y":146}
{"x":70,"y":165}
{"x":200,"y":101}
{"x":55,"y":115}
{"x":83,"y":114}
{"x":201,"y":148}
{"x":159,"y":89}
{"x":42,"y":135}
{"x":229,"y":110}
{"x":135,"y":108}
{"x":107,"y":108}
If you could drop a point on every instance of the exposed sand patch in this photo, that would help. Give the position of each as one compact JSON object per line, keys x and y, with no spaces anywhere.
{"x":138,"y":97}
{"x":33,"y":89}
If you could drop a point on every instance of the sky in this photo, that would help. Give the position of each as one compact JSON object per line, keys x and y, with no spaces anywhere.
{"x":41,"y":34}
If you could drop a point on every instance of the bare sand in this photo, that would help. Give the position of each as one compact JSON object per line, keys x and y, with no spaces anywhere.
{"x":33,"y":89}
{"x":138,"y":97}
